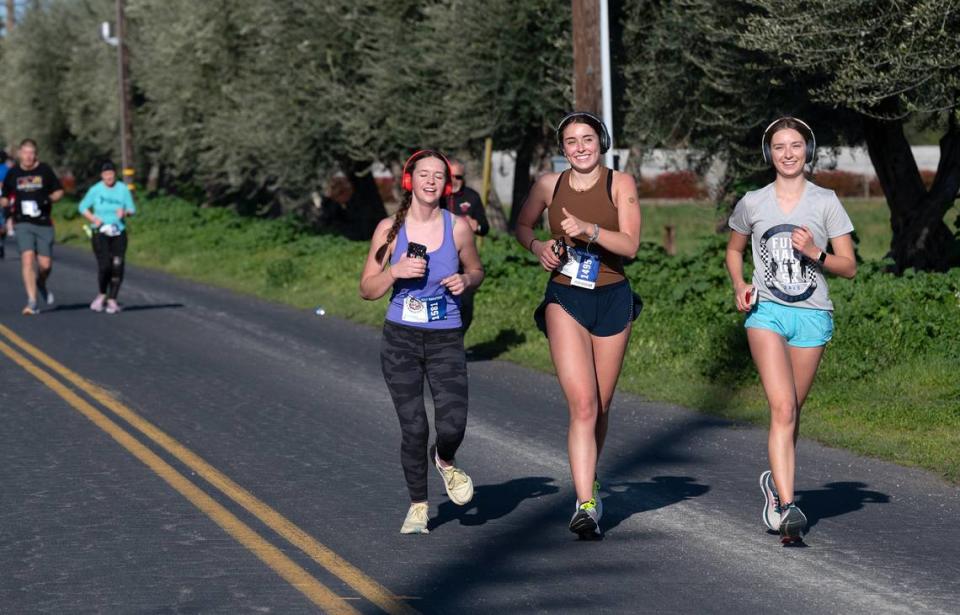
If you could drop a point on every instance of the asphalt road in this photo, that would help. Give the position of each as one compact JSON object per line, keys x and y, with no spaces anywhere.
{"x":206,"y":452}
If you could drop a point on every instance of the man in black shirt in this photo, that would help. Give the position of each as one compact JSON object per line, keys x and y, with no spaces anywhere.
{"x":465,"y":202}
{"x":30,"y":189}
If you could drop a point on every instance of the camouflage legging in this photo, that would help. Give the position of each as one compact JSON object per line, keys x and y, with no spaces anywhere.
{"x":406,"y":355}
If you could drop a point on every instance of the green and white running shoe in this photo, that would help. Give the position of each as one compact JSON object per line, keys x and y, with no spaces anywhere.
{"x":596,"y":498}
{"x":416,"y":521}
{"x":586,"y":520}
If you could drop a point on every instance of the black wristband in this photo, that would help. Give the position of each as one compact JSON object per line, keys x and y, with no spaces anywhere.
{"x":823,"y":257}
{"x":530,"y":245}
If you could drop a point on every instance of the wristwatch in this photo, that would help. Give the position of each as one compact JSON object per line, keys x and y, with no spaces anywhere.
{"x":596,"y":233}
{"x":823,"y":257}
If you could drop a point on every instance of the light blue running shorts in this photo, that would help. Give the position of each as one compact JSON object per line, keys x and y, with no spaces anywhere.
{"x":801,"y":327}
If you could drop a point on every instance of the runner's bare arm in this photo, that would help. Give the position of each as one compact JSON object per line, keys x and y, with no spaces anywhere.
{"x":378,"y":276}
{"x":842,"y":262}
{"x":538,"y":200}
{"x":736,"y":245}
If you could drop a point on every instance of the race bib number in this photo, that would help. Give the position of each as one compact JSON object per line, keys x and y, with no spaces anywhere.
{"x":110,"y":230}
{"x":30,"y":209}
{"x":424,"y":309}
{"x":582,"y":268}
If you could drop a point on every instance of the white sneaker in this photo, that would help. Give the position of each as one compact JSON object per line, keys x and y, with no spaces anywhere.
{"x":416,"y":520}
{"x":97,"y":304}
{"x":45,"y":294}
{"x":459,"y":485}
{"x":771,"y":501}
{"x":112,"y":306}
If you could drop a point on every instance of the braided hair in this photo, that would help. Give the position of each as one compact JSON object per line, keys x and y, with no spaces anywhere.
{"x":398,"y":219}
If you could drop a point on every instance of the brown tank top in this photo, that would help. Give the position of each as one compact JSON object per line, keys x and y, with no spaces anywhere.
{"x":593,"y":206}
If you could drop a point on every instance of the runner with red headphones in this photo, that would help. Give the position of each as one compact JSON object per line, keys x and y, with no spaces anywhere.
{"x":789,"y":223}
{"x":588,"y":308}
{"x":417,"y":254}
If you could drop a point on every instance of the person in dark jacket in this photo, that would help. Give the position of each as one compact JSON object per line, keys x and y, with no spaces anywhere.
{"x":466,"y":202}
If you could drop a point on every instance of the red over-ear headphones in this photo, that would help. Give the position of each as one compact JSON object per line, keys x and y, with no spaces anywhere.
{"x":406,"y":181}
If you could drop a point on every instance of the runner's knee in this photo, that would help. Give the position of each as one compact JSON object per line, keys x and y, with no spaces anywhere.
{"x":583,"y":409}
{"x":783,"y":413}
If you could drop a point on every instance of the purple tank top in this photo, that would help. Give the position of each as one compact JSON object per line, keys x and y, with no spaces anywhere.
{"x":425,"y":302}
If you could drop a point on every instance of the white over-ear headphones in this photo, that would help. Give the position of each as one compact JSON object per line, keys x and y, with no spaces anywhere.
{"x":804,"y":129}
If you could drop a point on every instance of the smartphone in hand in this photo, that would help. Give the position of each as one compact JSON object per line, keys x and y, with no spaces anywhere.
{"x":416,"y":250}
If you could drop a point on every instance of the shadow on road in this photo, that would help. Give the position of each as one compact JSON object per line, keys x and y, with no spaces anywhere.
{"x":540,"y":527}
{"x":494,"y":501}
{"x":628,"y":499}
{"x":836,"y":499}
{"x":505,"y":340}
{"x":71,"y":307}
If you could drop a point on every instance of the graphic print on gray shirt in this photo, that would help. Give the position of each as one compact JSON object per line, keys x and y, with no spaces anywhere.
{"x":781,"y":273}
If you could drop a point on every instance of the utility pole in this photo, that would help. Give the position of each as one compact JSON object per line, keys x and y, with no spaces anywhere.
{"x":11,"y":16}
{"x":126,"y":119}
{"x":586,"y":56}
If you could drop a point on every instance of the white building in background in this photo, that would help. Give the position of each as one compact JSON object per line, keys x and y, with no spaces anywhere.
{"x":658,"y":161}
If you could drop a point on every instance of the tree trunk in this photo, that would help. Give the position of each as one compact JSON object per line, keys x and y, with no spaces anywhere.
{"x":365,"y":208}
{"x":921,"y":239}
{"x":495,"y":215}
{"x":11,"y":16}
{"x":521,"y":174}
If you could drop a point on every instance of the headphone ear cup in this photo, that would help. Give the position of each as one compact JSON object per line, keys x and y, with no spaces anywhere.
{"x":810,"y":148}
{"x":406,"y":184}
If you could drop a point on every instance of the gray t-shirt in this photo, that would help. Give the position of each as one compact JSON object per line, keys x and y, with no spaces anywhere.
{"x":781,"y":273}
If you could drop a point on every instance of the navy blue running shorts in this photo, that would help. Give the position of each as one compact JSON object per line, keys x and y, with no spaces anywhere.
{"x":602,"y":311}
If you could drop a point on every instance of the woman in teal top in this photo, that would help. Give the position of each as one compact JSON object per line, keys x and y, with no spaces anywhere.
{"x":107,"y":205}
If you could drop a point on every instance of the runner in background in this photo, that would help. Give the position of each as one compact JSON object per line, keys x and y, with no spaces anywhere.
{"x":32,"y":187}
{"x":107,"y":205}
{"x":466,"y":202}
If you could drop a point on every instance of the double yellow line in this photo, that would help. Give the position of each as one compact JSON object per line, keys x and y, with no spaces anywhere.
{"x":289,"y":570}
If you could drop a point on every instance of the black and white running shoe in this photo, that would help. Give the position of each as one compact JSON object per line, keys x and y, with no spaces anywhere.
{"x":792,"y":523}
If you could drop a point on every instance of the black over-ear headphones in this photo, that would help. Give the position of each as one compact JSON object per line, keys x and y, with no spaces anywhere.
{"x":593,"y":121}
{"x":805,"y":130}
